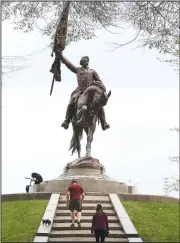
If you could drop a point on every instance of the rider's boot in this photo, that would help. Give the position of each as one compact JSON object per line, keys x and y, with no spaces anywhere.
{"x":65,"y":123}
{"x":102,"y":118}
{"x":68,"y":118}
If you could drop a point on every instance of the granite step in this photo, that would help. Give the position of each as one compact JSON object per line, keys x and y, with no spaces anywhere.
{"x":84,"y":226}
{"x":91,"y":206}
{"x":86,"y":201}
{"x":83,"y":233}
{"x":86,"y":239}
{"x":88,"y":198}
{"x":91,"y":194}
{"x":61,"y":231}
{"x":84,"y":219}
{"x":84,"y":212}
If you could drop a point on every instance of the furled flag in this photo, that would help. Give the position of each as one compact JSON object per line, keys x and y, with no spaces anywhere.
{"x":59,"y":43}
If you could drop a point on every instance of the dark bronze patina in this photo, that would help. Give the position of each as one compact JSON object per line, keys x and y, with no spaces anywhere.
{"x":85,"y":107}
{"x":85,"y":77}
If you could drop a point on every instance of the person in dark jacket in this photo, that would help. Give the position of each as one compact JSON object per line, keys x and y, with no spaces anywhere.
{"x":27,"y":188}
{"x":37,"y":178}
{"x":100,"y":225}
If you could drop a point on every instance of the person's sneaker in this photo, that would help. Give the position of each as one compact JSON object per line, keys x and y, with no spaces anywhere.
{"x":72,"y":225}
{"x":79,"y":224}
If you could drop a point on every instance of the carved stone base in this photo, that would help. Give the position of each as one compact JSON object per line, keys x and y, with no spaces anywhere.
{"x":85,"y":162}
{"x":89,"y":172}
{"x":87,"y":166}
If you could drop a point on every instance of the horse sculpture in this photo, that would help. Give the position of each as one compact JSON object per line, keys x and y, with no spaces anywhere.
{"x":85,"y":117}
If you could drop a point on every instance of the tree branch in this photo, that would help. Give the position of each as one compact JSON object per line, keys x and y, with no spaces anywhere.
{"x":120,"y":45}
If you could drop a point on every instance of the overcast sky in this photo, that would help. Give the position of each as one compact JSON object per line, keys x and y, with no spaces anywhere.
{"x":142,"y":109}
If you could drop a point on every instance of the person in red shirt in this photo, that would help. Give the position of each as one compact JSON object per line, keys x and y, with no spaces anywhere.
{"x":100,"y":226}
{"x":74,"y":198}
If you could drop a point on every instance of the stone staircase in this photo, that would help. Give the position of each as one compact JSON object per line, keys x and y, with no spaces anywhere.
{"x":61,"y":231}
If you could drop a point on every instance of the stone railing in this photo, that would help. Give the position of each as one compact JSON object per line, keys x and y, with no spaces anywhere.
{"x":26,"y":196}
{"x":123,"y":197}
{"x":148,"y":198}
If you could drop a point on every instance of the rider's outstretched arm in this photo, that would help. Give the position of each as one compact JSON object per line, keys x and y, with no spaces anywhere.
{"x":68,"y":64}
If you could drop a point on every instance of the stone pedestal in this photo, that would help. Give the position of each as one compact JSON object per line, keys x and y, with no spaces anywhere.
{"x":90,"y":173}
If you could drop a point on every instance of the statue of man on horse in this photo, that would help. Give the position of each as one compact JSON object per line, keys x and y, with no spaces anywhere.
{"x":88,"y":99}
{"x":86,"y":77}
{"x":86,"y":103}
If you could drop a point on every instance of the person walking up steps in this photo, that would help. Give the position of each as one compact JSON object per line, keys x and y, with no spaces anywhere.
{"x":100,"y":225}
{"x":74,"y":198}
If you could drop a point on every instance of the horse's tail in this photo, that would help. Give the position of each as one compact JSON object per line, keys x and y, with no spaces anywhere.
{"x":75,"y":140}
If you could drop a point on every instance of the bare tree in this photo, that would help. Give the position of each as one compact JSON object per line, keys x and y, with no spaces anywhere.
{"x":84,"y":17}
{"x":16,"y":63}
{"x":157,"y":26}
{"x":156,"y":23}
{"x":176,"y":129}
{"x":173,"y":182}
{"x":166,"y":186}
{"x":13,"y":63}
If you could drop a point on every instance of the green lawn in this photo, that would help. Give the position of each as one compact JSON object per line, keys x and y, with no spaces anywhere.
{"x":155,"y":222}
{"x":20,"y":219}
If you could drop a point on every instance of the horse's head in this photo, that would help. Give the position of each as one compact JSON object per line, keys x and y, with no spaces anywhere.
{"x":100,"y":100}
{"x":94,"y":98}
{"x":105,"y":97}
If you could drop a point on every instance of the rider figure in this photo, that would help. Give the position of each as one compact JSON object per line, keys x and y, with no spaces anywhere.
{"x":85,"y":78}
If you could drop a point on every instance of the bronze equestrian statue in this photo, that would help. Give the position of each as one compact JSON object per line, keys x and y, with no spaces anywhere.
{"x":86,"y":104}
{"x":85,"y":77}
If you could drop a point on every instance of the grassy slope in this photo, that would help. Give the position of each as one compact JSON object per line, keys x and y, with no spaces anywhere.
{"x":20,"y":219}
{"x":155,"y":222}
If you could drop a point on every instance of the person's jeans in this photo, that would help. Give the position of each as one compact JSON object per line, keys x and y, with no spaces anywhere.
{"x":100,"y":234}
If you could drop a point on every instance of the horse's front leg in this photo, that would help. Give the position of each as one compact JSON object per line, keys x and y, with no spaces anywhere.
{"x":89,"y":141}
{"x":79,"y":153}
{"x":78,"y":144}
